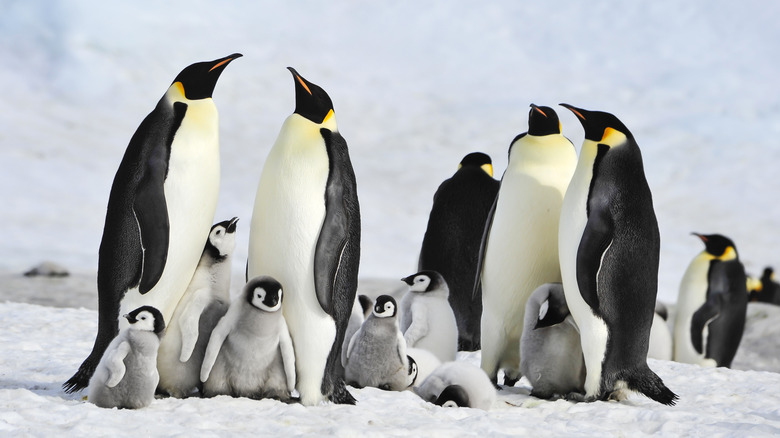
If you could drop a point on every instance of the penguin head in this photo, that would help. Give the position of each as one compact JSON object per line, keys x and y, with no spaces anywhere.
{"x":146,"y":318}
{"x":477,"y":159}
{"x":413,"y":370}
{"x":424,"y":281}
{"x":553,"y":310}
{"x":198,"y":80}
{"x":385,"y":307}
{"x":453,"y":396}
{"x":222,"y":239}
{"x":543,"y":120}
{"x":718,"y":246}
{"x":264,"y":293}
{"x":311,"y":101}
{"x":601,"y":127}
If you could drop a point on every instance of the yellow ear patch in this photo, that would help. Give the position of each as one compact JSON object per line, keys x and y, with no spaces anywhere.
{"x":180,"y":87}
{"x":327,"y":116}
{"x":729,"y":254}
{"x":488,"y":168}
{"x":612,"y":137}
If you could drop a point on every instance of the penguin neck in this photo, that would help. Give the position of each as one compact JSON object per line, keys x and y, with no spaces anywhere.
{"x":531,"y":152}
{"x":201,"y":111}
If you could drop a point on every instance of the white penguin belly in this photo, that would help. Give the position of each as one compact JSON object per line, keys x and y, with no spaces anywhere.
{"x":593,"y":330}
{"x":441,"y":337}
{"x":191,"y":189}
{"x":693,"y":294}
{"x":521,"y":254}
{"x":288,"y":215}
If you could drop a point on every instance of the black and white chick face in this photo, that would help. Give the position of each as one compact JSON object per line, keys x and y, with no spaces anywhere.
{"x":413,"y":370}
{"x":424,"y":281}
{"x":264,"y":293}
{"x":146,"y":318}
{"x":453,"y":396}
{"x":222,"y":238}
{"x":384,"y":307}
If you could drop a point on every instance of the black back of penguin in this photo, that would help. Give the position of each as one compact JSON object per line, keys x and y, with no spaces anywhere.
{"x":452,"y":240}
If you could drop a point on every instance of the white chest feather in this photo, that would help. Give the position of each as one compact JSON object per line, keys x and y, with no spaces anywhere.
{"x":693,"y":293}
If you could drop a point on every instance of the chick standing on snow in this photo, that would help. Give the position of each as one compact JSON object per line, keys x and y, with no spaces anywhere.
{"x":427,"y":319}
{"x":458,"y":384}
{"x":250,"y":352}
{"x":126,"y":375}
{"x":376,"y":355}
{"x":204,"y":302}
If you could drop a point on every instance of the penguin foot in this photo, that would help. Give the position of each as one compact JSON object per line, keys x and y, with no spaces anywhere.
{"x":578,"y":397}
{"x":340,"y":395}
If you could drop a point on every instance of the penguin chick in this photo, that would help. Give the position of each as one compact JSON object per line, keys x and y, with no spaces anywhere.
{"x":551,"y":354}
{"x":711,"y":306}
{"x":469,"y":386}
{"x":204,"y":302}
{"x":426,"y":362}
{"x":126,"y":375}
{"x":250,"y":352}
{"x":427,"y":319}
{"x":376,"y":355}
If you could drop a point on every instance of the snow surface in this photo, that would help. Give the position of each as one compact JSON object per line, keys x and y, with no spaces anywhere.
{"x":416,"y":87}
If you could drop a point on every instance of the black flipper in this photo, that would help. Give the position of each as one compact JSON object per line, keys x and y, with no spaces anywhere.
{"x":483,"y":247}
{"x":701,"y":317}
{"x":151,"y":213}
{"x":337,"y":258}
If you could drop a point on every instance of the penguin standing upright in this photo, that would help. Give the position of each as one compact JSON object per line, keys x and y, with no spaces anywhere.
{"x":453,"y":236}
{"x":609,"y":250}
{"x":712,"y":304}
{"x":160,"y":209}
{"x":126,"y":375}
{"x":206,"y":300}
{"x":520,"y":245}
{"x":305,"y":232}
{"x":427,"y":320}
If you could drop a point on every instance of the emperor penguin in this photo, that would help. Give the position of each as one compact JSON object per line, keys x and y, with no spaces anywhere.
{"x":458,"y":384}
{"x":206,"y":300}
{"x":520,"y":244}
{"x":376,"y":355}
{"x":550,"y":347}
{"x":452,"y":239}
{"x":609,"y":250}
{"x":427,"y":319}
{"x":711,"y":306}
{"x":250,"y":352}
{"x":305,"y":232}
{"x":126,"y":376}
{"x":160,"y":208}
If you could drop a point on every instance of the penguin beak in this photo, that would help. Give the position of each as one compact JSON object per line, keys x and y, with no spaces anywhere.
{"x":703,"y":239}
{"x":231,"y":228}
{"x":538,"y":110}
{"x":408,"y":280}
{"x":577,"y":111}
{"x":300,"y":81}
{"x":223,"y":62}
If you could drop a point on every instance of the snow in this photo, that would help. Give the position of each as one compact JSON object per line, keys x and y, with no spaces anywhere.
{"x":416,"y":87}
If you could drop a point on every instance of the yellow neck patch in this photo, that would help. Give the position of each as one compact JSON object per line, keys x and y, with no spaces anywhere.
{"x":488,"y":168}
{"x":613,"y":137}
{"x":729,"y":254}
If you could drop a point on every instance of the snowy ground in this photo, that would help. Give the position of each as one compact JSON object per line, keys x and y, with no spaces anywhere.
{"x":415,"y":88}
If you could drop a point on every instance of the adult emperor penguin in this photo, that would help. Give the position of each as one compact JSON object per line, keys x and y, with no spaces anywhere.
{"x":206,"y":300}
{"x":452,"y":239}
{"x":427,"y":320}
{"x":305,"y":232}
{"x":250,"y":353}
{"x":160,"y":209}
{"x":609,"y":248}
{"x":376,"y":355}
{"x":520,"y":244}
{"x":126,"y":375}
{"x":550,"y":347}
{"x":711,"y":306}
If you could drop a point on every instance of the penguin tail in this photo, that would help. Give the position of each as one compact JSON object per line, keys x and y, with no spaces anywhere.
{"x":648,"y":383}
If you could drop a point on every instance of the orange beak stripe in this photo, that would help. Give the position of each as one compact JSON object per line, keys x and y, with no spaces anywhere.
{"x":303,"y":83}
{"x":221,"y":63}
{"x":540,"y":111}
{"x":577,"y":113}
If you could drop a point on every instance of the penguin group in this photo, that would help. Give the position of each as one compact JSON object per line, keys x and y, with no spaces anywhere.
{"x":550,"y":272}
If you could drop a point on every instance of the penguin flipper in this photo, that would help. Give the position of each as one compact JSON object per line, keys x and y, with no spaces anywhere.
{"x":189,"y":322}
{"x":703,"y":316}
{"x":476,"y":292}
{"x":338,"y":246}
{"x":217,"y":338}
{"x":288,"y":355}
{"x":115,"y":364}
{"x":595,"y":242}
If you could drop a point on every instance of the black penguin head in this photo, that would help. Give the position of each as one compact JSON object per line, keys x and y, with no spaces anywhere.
{"x":222,"y":239}
{"x":598,"y":125}
{"x":264,"y":293}
{"x":718,"y":246}
{"x":554,"y":310}
{"x":424,"y":281}
{"x":477,"y":159}
{"x":385,"y":307}
{"x":311,"y":101}
{"x":413,"y":370}
{"x":146,"y":318}
{"x":768,"y":275}
{"x":543,"y":120}
{"x":198,"y":80}
{"x":453,"y":396}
